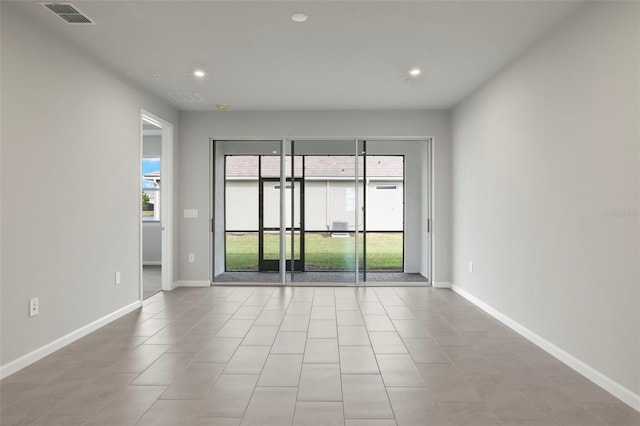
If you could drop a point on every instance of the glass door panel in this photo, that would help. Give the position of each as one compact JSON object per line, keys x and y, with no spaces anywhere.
{"x":270,"y":228}
{"x":383,"y":244}
{"x":241,"y":213}
{"x":329,"y":172}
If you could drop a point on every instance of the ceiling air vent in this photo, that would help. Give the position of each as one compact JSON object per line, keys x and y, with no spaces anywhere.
{"x":69,"y":13}
{"x":186,"y":96}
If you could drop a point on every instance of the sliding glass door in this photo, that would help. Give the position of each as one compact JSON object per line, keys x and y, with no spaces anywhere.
{"x":320,"y":211}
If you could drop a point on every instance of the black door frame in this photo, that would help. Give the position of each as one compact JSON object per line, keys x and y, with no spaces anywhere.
{"x":273,"y":265}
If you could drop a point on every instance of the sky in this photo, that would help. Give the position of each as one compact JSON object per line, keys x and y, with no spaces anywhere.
{"x":149,"y":165}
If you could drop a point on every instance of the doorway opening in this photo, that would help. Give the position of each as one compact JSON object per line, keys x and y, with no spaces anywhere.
{"x":155,"y":205}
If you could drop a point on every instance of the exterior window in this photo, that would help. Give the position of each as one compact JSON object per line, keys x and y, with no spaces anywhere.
{"x":151,"y":189}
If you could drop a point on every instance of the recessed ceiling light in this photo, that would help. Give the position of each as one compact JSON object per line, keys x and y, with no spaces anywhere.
{"x":199,"y":73}
{"x":299,"y":17}
{"x":222,"y":107}
{"x":415,"y":72}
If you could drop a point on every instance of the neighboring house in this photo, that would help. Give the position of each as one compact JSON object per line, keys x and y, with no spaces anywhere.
{"x":151,"y":186}
{"x":329,"y":193}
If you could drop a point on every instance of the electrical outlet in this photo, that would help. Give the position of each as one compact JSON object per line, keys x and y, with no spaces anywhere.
{"x":118,"y":278}
{"x":192,"y":257}
{"x":34,"y":306}
{"x":471,"y":267}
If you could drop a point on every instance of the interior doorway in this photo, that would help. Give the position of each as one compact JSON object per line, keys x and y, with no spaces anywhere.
{"x":155,"y":205}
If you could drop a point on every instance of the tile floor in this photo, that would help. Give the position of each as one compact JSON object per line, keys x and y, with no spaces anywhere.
{"x":305,"y":356}
{"x":151,"y":280}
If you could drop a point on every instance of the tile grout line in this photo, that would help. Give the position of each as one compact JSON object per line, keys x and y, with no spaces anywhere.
{"x":244,"y":412}
{"x":187,"y":311}
{"x":295,"y":407}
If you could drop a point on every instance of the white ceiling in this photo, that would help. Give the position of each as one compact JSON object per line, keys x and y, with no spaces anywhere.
{"x":348,"y":55}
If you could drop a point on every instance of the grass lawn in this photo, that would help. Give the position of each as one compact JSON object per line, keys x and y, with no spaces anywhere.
{"x":322,"y":252}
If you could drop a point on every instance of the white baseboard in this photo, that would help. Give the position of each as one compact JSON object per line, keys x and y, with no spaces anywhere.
{"x":191,"y":284}
{"x":152,"y":263}
{"x":608,"y":384}
{"x":441,"y":284}
{"x":36,"y":355}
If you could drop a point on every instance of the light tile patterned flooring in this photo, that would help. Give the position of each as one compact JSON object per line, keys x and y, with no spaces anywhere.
{"x":151,"y":280}
{"x":305,"y":356}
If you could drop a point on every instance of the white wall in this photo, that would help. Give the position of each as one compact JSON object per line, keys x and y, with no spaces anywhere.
{"x":151,"y":145}
{"x":196,"y":128}
{"x":242,"y":205}
{"x":386,"y":206}
{"x":540,"y":155}
{"x":69,"y":126}
{"x":151,"y":243}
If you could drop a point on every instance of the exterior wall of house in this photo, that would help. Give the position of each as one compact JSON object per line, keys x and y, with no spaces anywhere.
{"x":326,"y":202}
{"x":385,"y":207}
{"x":241,"y":205}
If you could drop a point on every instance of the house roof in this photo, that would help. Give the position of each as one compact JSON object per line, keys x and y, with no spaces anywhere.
{"x":316,"y":166}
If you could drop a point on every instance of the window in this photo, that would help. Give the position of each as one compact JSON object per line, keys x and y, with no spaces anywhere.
{"x":151,"y":189}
